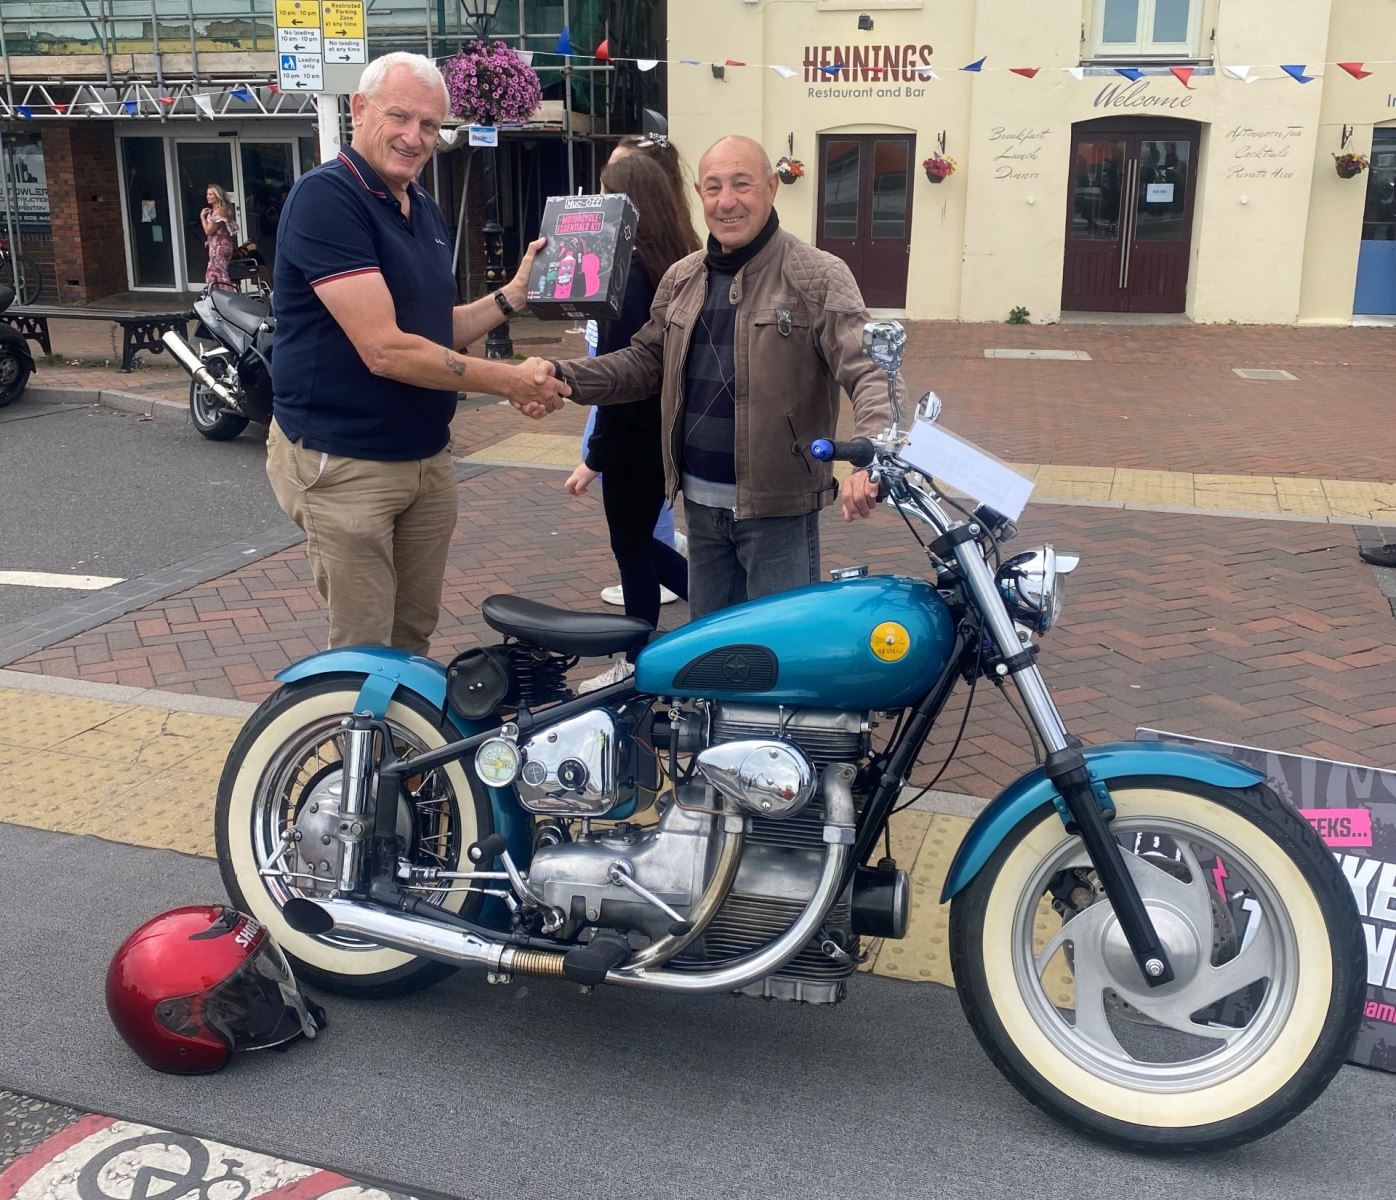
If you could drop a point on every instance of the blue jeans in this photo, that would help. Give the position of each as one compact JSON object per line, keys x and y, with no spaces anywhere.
{"x":730,"y":561}
{"x":664,"y":527}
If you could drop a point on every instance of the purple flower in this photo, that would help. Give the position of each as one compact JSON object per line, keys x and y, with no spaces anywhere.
{"x":491,"y":83}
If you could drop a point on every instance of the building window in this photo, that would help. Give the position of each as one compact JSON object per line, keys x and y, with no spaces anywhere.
{"x":1154,"y":29}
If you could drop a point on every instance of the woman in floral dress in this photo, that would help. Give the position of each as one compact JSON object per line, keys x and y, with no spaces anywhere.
{"x":221,"y":236}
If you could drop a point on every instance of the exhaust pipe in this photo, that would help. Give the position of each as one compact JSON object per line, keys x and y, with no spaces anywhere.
{"x":431,"y":939}
{"x":191,"y":362}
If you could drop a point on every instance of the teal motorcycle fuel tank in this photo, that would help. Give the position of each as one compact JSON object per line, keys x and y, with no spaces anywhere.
{"x":875,"y":642}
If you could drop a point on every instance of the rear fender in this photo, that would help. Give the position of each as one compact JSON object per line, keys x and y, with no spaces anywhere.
{"x":1117,"y":760}
{"x":384,"y":671}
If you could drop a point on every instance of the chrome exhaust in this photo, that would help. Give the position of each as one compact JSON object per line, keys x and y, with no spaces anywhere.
{"x":192,"y":363}
{"x":839,"y":832}
{"x":430,"y":939}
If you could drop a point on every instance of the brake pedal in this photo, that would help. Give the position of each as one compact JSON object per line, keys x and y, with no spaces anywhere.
{"x":588,"y":964}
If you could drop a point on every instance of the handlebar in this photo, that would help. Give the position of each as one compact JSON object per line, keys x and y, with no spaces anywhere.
{"x":859,"y":451}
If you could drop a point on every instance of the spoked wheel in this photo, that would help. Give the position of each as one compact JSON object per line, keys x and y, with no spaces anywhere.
{"x":1264,"y":940}
{"x":14,"y":376}
{"x":215,"y":423}
{"x":282,"y":786}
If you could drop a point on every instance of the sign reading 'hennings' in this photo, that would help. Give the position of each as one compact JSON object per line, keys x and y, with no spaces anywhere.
{"x":866,"y":64}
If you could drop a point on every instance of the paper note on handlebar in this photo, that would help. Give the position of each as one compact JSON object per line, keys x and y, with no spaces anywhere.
{"x":951,"y":460}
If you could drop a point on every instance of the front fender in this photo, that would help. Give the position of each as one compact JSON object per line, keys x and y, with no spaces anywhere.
{"x":384,"y":671}
{"x":1117,"y":760}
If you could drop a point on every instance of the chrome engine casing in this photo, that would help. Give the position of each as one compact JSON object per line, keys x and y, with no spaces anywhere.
{"x":781,"y":863}
{"x":670,"y":859}
{"x":574,"y":768}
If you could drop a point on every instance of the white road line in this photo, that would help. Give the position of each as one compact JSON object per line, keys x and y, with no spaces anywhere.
{"x":48,"y":579}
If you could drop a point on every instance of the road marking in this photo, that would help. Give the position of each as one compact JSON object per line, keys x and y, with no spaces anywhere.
{"x":50,"y":579}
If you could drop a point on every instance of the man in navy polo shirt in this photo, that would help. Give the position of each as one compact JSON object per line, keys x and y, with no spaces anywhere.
{"x":365,"y":371}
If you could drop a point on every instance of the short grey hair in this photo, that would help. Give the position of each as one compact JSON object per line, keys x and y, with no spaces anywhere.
{"x":419,"y":66}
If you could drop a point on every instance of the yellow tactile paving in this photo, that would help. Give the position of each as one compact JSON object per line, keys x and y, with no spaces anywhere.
{"x":1246,"y":495}
{"x":908,"y":833}
{"x":925,"y":953}
{"x":128,"y":773}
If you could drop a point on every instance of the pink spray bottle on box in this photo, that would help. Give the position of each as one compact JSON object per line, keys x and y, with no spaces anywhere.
{"x":566,"y":269}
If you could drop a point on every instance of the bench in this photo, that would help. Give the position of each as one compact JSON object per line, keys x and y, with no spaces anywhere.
{"x":139,"y":330}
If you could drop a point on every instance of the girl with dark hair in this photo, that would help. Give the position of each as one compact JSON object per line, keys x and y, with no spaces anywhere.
{"x":624,"y":443}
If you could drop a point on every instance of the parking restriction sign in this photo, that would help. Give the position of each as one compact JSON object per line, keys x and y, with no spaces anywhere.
{"x":300,"y":46}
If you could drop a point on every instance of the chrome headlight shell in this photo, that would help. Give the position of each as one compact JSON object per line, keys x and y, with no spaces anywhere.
{"x":1033,"y":586}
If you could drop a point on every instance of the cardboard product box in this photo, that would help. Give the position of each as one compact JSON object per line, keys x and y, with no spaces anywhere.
{"x":581,"y":272}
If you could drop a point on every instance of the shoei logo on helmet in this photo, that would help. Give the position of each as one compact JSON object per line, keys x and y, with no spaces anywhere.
{"x":247,"y":934}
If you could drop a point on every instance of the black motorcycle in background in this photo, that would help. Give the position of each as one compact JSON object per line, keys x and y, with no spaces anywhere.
{"x":16,"y":363}
{"x":229,"y":362}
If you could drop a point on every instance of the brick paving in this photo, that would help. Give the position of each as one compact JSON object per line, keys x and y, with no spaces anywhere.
{"x":1264,"y":632}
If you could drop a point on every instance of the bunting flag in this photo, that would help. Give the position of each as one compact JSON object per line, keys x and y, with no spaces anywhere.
{"x":732,"y":62}
{"x":1025,"y":72}
{"x":1183,"y":75}
{"x":97,"y":108}
{"x":1355,"y":70}
{"x":976,"y":66}
{"x":1241,"y":73}
{"x":274,"y":88}
{"x":60,"y":108}
{"x":690,"y":62}
{"x":242,"y":94}
{"x":1077,"y":73}
{"x":25,"y":110}
{"x":205,"y":104}
{"x":525,"y":57}
{"x":784,"y":72}
{"x":167,"y":99}
{"x":1296,"y":72}
{"x":564,"y":43}
{"x":130,"y":107}
{"x":927,"y":72}
{"x":832,"y":69}
{"x":1130,"y":73}
{"x":647,"y":64}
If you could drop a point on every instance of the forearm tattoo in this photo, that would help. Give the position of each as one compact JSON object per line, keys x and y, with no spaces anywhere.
{"x":456,"y":364}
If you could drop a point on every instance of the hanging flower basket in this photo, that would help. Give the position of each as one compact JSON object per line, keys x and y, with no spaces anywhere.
{"x":489,"y":84}
{"x":938,"y":167}
{"x":789,"y":169}
{"x":1350,"y":165}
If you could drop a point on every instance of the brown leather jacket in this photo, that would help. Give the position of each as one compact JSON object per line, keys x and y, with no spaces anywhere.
{"x":799,"y":339}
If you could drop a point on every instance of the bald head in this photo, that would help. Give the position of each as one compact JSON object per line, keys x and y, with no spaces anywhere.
{"x":738,"y":190}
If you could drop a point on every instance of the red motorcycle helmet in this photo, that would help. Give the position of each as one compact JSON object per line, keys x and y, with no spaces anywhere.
{"x":193,"y":985}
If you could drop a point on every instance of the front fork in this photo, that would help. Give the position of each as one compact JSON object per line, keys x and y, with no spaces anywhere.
{"x":1085,"y":806}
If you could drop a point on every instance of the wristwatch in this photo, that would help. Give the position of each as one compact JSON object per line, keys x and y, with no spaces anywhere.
{"x":503,"y":301}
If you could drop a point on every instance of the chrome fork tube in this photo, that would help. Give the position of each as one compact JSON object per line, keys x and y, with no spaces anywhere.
{"x":1027,"y":679}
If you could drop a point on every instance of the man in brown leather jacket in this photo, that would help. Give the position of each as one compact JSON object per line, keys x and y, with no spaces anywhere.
{"x":749,"y":344}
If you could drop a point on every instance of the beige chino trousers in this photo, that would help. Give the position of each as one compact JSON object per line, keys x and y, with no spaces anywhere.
{"x":376,"y":535}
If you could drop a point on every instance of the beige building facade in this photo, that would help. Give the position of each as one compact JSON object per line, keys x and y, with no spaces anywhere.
{"x":1205,"y":186}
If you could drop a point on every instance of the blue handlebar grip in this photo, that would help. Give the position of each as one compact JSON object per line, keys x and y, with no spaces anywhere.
{"x":822,"y":450}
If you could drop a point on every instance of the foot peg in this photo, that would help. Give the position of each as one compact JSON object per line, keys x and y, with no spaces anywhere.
{"x":588,"y":964}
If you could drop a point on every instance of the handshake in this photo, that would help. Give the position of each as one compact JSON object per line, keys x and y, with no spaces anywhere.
{"x":535,"y":390}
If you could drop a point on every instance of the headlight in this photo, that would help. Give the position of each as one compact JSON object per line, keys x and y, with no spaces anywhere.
{"x":1033,"y":586}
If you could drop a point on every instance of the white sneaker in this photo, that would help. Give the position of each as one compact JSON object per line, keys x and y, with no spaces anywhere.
{"x":617,"y":671}
{"x":615,"y":594}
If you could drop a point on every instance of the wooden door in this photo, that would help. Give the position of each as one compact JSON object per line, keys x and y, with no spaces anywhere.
{"x":864,"y":215}
{"x":1129,"y":218}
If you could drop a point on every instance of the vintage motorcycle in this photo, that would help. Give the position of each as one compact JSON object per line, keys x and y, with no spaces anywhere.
{"x":230,"y":371}
{"x":16,"y":362}
{"x":1149,"y":944}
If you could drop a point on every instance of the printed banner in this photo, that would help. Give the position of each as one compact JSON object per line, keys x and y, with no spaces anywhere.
{"x":1353,"y":809}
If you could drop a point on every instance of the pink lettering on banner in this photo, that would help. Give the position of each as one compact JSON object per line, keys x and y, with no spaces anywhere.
{"x":1377,"y":1011}
{"x":1341,"y":826}
{"x":579,"y":223}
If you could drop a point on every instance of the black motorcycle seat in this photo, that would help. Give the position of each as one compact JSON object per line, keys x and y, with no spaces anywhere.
{"x":564,"y":631}
{"x":243,"y":312}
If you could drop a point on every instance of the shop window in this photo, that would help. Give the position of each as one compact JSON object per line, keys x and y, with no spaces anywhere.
{"x":1155,"y":29}
{"x":1379,"y":216}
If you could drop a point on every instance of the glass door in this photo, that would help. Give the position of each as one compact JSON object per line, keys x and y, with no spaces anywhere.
{"x":1090,"y":282}
{"x":268,"y":170}
{"x":1376,"y":260}
{"x":148,"y":220}
{"x":198,"y":164}
{"x":865,"y":211}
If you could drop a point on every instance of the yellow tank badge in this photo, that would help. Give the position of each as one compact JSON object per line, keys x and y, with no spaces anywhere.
{"x":890,"y":641}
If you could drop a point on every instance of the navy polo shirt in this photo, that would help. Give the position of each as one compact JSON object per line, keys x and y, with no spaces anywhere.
{"x":341,"y":220}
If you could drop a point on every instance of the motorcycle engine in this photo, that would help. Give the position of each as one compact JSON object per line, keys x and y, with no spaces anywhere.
{"x":673,"y":858}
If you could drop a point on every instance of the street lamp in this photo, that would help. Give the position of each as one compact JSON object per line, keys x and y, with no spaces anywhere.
{"x":480,"y":14}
